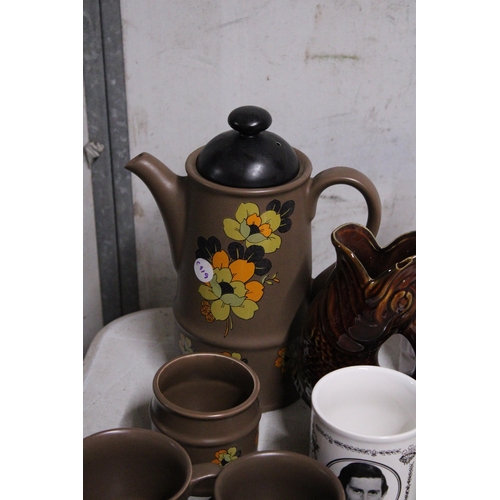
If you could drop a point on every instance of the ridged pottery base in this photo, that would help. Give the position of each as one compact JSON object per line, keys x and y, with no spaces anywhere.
{"x":273,"y":365}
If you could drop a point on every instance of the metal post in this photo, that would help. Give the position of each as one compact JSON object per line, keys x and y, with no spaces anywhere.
{"x":104,"y":81}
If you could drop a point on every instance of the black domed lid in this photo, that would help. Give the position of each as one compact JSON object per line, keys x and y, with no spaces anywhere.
{"x":248,"y":156}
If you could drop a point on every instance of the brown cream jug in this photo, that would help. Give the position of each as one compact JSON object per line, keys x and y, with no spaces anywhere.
{"x":239,"y":229}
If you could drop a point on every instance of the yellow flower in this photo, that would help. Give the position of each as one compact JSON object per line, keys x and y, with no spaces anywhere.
{"x":235,"y":355}
{"x":185,"y":344}
{"x":223,"y":457}
{"x":254,"y":228}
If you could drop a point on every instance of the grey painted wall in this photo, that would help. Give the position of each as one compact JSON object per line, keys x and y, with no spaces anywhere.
{"x":338,"y":77}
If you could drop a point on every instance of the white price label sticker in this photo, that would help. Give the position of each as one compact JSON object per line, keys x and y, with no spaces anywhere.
{"x":203,"y":270}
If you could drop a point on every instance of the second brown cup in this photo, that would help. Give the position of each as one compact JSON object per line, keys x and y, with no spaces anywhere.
{"x":209,"y":404}
{"x":268,"y":475}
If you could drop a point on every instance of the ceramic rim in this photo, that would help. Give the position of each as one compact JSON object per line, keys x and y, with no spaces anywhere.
{"x":207,"y":415}
{"x":327,"y":379}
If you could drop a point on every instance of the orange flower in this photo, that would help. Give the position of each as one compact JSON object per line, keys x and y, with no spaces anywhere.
{"x":242,"y":270}
{"x":256,"y":221}
{"x":255,"y":290}
{"x":220,"y":259}
{"x":281,"y":361}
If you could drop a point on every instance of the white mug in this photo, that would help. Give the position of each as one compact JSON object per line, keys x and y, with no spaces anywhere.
{"x":363,"y":427}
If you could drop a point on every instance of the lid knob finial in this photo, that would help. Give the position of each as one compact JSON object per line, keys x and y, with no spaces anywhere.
{"x":249,"y":120}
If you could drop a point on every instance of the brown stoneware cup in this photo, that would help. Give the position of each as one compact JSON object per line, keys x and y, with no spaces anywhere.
{"x":209,"y":404}
{"x":268,"y":475}
{"x":134,"y":463}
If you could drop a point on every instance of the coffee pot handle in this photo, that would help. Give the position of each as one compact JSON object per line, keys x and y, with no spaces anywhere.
{"x":360,"y":182}
{"x":354,"y":178}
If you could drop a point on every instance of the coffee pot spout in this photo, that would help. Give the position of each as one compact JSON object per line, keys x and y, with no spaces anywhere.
{"x":169,"y":192}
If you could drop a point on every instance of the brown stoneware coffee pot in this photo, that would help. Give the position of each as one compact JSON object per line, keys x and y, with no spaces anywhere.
{"x":239,"y":229}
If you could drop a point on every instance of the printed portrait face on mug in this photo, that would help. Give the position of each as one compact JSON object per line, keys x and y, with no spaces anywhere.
{"x":363,"y":481}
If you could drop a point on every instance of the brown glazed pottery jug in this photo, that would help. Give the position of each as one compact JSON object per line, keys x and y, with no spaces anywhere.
{"x":209,"y":404}
{"x":369,"y":296}
{"x":239,"y":229}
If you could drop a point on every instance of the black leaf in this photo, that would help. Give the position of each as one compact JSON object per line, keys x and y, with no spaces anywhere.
{"x":214,"y":244}
{"x":202,"y":252}
{"x":202,"y":242}
{"x":207,"y":248}
{"x":285,"y":225}
{"x":287,"y":209}
{"x":236,"y":250}
{"x":262,"y":267}
{"x":274,"y":205}
{"x":254,"y":253}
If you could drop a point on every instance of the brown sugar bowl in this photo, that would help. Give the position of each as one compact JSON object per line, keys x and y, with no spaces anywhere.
{"x":209,"y":404}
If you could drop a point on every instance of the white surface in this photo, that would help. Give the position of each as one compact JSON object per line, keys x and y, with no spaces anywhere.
{"x":118,"y":371}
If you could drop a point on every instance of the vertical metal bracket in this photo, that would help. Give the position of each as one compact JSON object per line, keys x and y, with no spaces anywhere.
{"x":104,"y":81}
